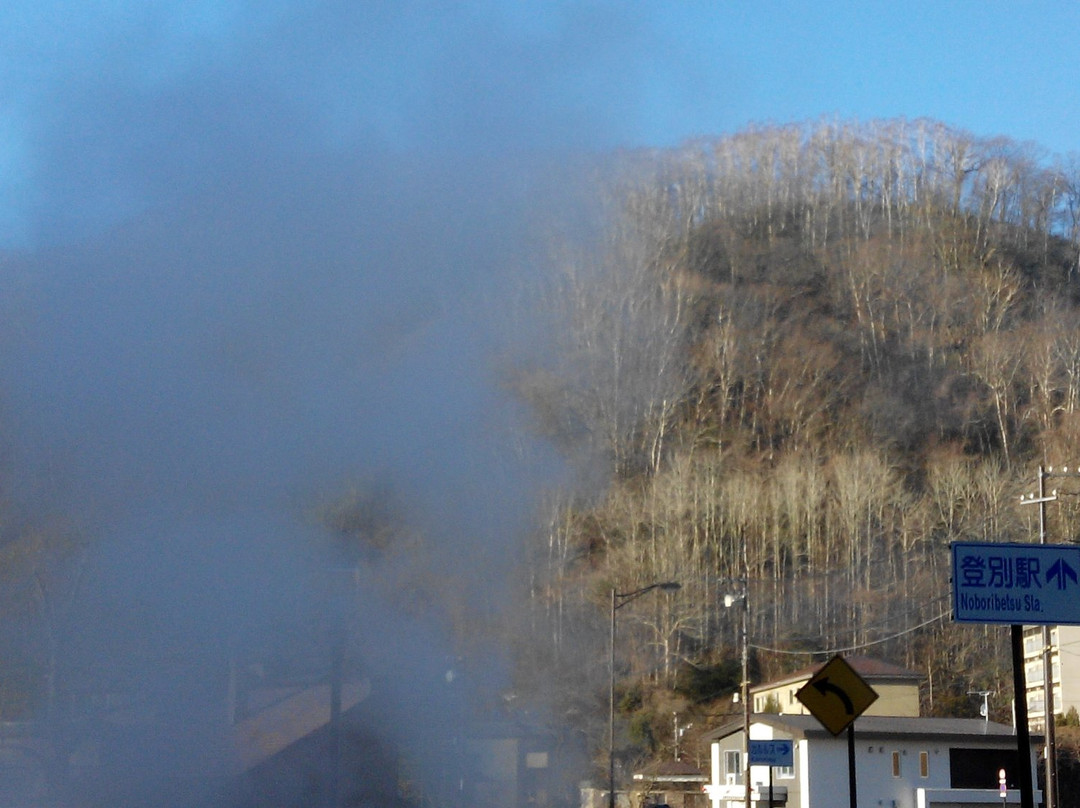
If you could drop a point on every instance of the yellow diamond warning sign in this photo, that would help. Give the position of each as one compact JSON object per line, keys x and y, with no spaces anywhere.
{"x":836,"y":695}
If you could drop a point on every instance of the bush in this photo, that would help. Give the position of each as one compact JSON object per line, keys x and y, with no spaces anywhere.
{"x":641,"y":731}
{"x":707,"y":682}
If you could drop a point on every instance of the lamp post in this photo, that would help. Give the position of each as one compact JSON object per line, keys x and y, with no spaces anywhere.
{"x":984,"y":708}
{"x":618,"y":600}
{"x":744,"y":687}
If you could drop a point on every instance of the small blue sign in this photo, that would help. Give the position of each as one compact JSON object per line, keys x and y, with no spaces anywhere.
{"x":1016,"y":584}
{"x":772,"y":753}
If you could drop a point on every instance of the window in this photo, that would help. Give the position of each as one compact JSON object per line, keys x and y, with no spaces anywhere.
{"x":733,"y":765}
{"x":1033,"y":671}
{"x":924,"y":764}
{"x":896,"y":764}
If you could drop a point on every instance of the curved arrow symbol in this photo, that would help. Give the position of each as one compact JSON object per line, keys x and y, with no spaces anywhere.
{"x":824,"y":687}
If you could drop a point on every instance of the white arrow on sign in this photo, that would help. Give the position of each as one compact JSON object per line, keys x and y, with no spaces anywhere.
{"x":772,"y":753}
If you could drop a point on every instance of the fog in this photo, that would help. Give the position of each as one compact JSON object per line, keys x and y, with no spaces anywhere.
{"x":258,"y":256}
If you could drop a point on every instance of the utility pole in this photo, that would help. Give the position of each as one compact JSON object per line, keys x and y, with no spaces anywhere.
{"x":1041,"y":498}
{"x":730,"y":600}
{"x":1050,"y":799}
{"x":746,"y":687}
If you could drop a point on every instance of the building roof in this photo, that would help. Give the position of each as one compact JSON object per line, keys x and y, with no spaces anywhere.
{"x":289,"y":715}
{"x":883,"y":726}
{"x":869,"y":668}
{"x":672,"y":771}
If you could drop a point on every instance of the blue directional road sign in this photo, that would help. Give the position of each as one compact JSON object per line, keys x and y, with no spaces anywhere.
{"x":772,"y":753}
{"x":1015,"y":584}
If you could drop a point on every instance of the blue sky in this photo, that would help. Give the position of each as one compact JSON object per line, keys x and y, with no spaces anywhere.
{"x":215,"y":209}
{"x":253,"y":245}
{"x":107,"y":105}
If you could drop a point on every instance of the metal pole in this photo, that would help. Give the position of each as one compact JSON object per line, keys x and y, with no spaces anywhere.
{"x":337,"y":671}
{"x":1050,"y":798}
{"x":618,"y":600}
{"x":675,"y":716}
{"x":1023,"y":734}
{"x":746,"y":687}
{"x":852,"y":798}
{"x":611,"y":708}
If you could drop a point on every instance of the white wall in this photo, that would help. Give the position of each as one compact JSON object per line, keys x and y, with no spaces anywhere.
{"x":875,"y":783}
{"x":821,"y":769}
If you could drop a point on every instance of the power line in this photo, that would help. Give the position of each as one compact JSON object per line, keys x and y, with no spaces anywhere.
{"x":892,"y":618}
{"x":857,"y":647}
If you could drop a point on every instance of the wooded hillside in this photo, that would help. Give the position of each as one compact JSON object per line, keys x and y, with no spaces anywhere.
{"x":808,"y":356}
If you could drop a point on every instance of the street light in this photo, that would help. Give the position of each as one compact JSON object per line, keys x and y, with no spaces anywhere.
{"x":618,"y":600}
{"x":744,"y":693}
{"x":984,"y":708}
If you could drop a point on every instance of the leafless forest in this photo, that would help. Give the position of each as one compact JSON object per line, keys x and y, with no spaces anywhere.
{"x":808,"y":357}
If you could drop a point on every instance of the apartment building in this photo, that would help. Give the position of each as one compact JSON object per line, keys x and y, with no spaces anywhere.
{"x":1065,"y":672}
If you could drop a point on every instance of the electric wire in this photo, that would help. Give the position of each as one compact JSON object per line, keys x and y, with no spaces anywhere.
{"x":878,"y":625}
{"x":856,"y":647}
{"x":893,"y":618}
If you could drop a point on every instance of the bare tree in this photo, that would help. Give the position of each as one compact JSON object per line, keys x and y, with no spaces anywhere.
{"x":812,"y":354}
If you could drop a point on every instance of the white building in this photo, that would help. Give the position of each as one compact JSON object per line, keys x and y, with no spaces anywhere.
{"x":900,"y":762}
{"x":1065,"y":671}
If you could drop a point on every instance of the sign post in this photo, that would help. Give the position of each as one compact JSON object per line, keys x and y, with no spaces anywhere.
{"x":1014,"y":585}
{"x":836,"y":695}
{"x":771,"y":753}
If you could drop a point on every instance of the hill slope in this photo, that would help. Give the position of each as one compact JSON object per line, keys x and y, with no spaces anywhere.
{"x":809,"y":357}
